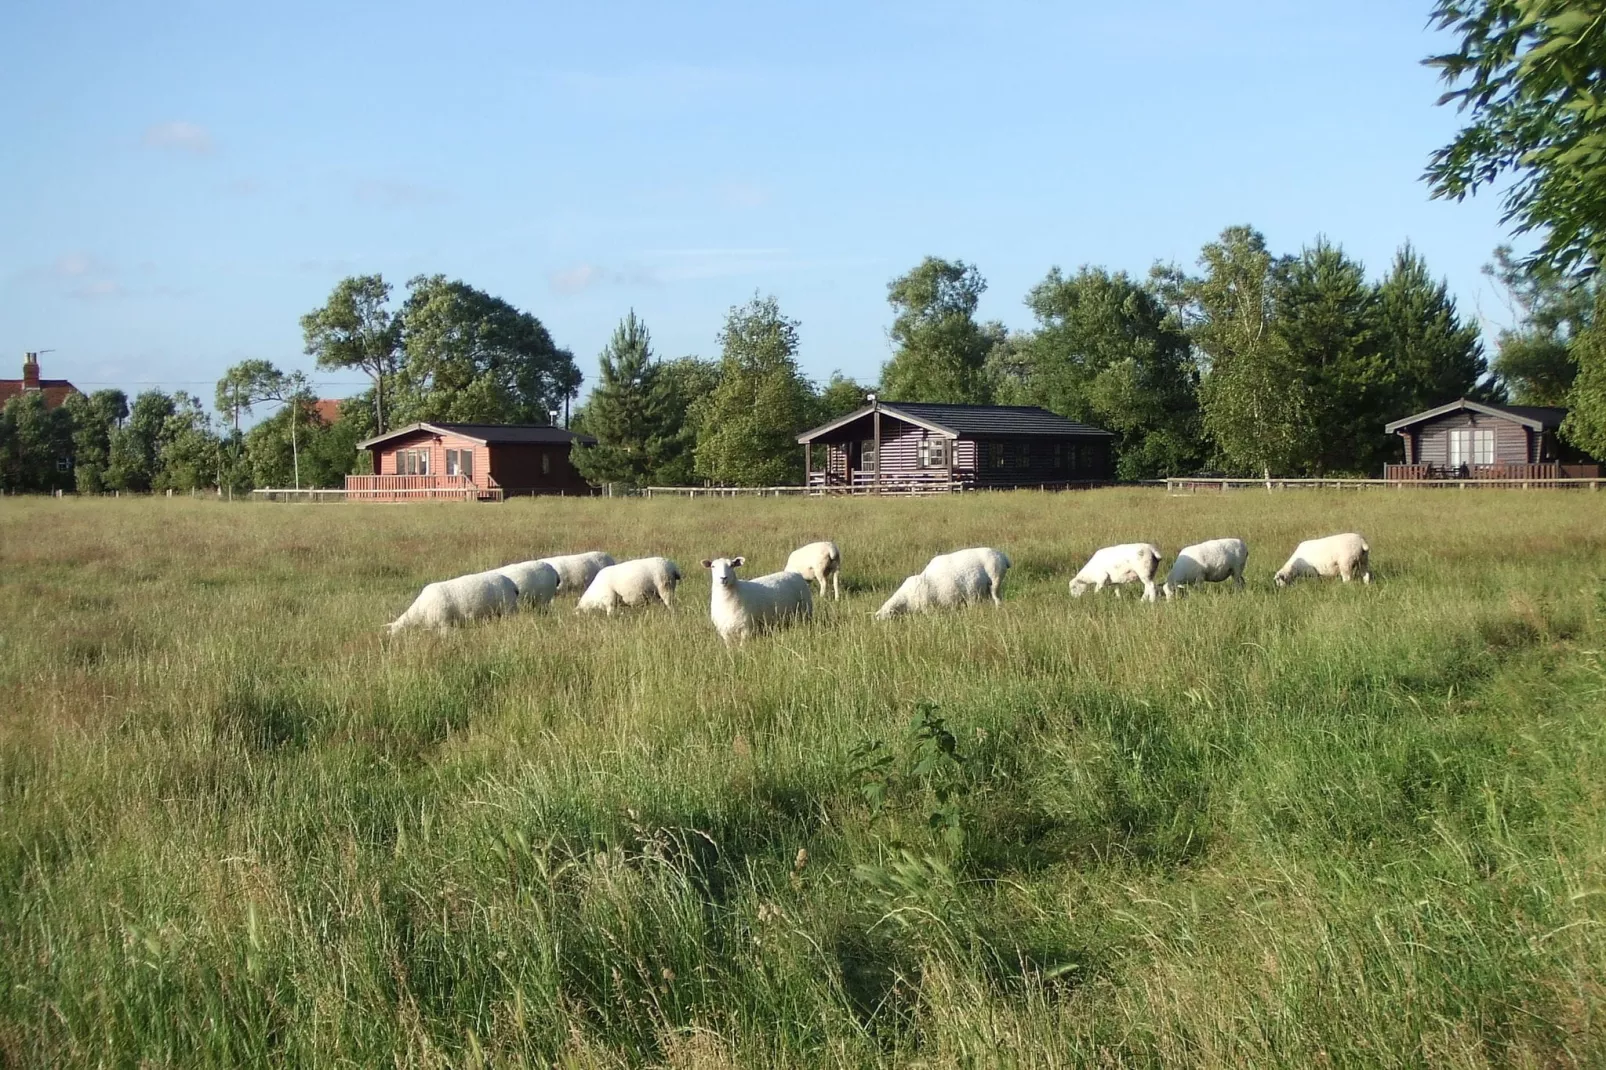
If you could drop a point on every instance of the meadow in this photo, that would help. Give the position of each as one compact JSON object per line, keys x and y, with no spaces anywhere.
{"x":1333,"y":825}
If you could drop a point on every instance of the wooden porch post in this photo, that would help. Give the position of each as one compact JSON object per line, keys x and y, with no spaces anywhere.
{"x":948,"y":452}
{"x":875,"y":406}
{"x":807,"y":461}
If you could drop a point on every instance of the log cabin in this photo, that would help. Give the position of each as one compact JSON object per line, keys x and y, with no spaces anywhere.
{"x":915,"y":447}
{"x":1475,"y":440}
{"x":474,"y":462}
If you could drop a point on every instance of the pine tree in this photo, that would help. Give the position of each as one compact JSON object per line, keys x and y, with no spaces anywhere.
{"x":624,"y":413}
{"x":1432,"y":356}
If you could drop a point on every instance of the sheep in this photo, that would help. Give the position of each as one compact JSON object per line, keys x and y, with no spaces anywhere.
{"x":537,"y":581}
{"x":949,"y":580}
{"x":1133,"y":562}
{"x":447,"y":602}
{"x":631,"y":583}
{"x":576,"y":571}
{"x":1343,"y":556}
{"x":819,"y":561}
{"x":741,"y":607}
{"x":1207,"y":562}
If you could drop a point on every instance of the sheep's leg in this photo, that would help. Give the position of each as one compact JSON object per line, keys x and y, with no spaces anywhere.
{"x":1148,"y":591}
{"x":1238,"y":575}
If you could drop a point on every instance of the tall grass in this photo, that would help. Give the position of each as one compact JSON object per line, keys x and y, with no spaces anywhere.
{"x":1328,"y":826}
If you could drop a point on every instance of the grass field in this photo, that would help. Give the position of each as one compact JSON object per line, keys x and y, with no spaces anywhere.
{"x":1334,"y":825}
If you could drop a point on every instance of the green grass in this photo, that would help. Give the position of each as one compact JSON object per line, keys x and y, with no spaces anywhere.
{"x":1334,"y":825}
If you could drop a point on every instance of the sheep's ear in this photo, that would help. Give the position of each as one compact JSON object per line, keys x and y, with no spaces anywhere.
{"x":707,"y":563}
{"x":738,"y":562}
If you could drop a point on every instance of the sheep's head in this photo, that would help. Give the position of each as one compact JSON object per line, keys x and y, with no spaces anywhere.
{"x":724,"y":569}
{"x":1282,"y":577}
{"x":904,"y":600}
{"x":1078,"y":587}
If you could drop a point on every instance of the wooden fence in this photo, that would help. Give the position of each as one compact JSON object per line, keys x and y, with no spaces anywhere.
{"x":1193,"y":484}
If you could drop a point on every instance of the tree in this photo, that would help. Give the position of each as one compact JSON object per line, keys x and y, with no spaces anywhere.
{"x":95,"y":419}
{"x":317,"y":455}
{"x":841,"y":396}
{"x":1324,"y":323}
{"x":1534,"y":357}
{"x":1249,"y":394}
{"x":354,"y":329}
{"x":245,"y":385}
{"x":474,"y":358}
{"x":1532,"y":75}
{"x":1585,"y":426}
{"x":683,"y":391}
{"x":1108,"y":352}
{"x":35,"y":445}
{"x":748,"y":434}
{"x":135,"y":448}
{"x":941,"y":350}
{"x":188,"y":449}
{"x":1433,"y":357}
{"x":624,"y":412}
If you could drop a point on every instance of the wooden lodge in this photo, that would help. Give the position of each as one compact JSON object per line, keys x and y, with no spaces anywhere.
{"x":896,"y":447}
{"x":473,"y":462}
{"x":1471,"y":440}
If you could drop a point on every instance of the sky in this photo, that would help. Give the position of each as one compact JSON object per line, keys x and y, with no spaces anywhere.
{"x":183,"y":181}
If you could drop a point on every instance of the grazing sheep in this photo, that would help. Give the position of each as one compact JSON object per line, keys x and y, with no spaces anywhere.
{"x":1133,"y":562}
{"x":447,"y":602}
{"x":1207,"y":562}
{"x":741,"y":607}
{"x":632,"y":583}
{"x":949,"y":580}
{"x":1337,"y":555}
{"x":576,"y":571}
{"x":537,"y":581}
{"x":819,"y":561}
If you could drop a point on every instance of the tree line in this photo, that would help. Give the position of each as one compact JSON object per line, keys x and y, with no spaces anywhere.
{"x":1255,"y":363}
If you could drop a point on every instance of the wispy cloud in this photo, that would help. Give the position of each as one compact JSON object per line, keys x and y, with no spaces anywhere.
{"x":743,"y":195}
{"x":85,"y":277}
{"x":179,"y":136}
{"x":396,"y":194}
{"x":658,"y":267}
{"x":582,"y":277}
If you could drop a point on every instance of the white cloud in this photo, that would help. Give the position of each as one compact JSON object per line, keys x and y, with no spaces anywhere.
{"x":582,"y":277}
{"x":178,"y":136}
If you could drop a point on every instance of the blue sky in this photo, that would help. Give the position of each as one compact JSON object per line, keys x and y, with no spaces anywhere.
{"x":184,"y":180}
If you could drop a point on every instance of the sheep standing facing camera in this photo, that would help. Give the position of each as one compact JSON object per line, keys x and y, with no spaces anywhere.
{"x":1207,"y":562}
{"x":537,"y":581}
{"x":948,"y":581}
{"x":631,"y":583}
{"x":819,"y":561}
{"x":456,"y":601}
{"x":1343,"y":556}
{"x":1133,"y":562}
{"x":576,"y":571}
{"x":739,"y":607}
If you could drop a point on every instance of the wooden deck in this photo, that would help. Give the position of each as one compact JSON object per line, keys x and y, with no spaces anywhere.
{"x":1502,"y":473}
{"x":393,"y":488}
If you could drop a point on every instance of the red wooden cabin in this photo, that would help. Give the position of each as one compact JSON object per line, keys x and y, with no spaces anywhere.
{"x":484,"y":462}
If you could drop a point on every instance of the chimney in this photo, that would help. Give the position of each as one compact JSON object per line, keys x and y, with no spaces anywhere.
{"x":30,"y":371}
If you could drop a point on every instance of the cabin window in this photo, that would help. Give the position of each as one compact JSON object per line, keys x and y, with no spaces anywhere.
{"x":1023,"y":455}
{"x":996,"y":455}
{"x":1471,"y":445}
{"x":412,"y":462}
{"x":546,"y":463}
{"x":867,"y":457}
{"x":933,"y":452}
{"x":460,"y":463}
{"x":64,"y":464}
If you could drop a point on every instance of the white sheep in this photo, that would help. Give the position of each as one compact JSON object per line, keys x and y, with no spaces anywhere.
{"x":741,"y":607}
{"x":632,"y":583}
{"x":576,"y":571}
{"x":1343,"y":556}
{"x":537,"y":581}
{"x":1207,"y":562}
{"x":447,"y":602}
{"x":949,"y":580}
{"x":1133,"y":562}
{"x":819,"y":561}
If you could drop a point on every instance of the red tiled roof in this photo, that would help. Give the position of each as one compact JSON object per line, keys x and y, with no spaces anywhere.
{"x":54,"y":390}
{"x":327,"y":409}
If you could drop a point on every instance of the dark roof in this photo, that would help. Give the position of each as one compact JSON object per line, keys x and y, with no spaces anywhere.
{"x":1537,"y":417}
{"x":54,"y":390}
{"x":490,"y":434}
{"x":970,"y":421}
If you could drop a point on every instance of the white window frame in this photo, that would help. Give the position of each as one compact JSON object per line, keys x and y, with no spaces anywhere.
{"x":1471,"y":446}
{"x":933,"y":453}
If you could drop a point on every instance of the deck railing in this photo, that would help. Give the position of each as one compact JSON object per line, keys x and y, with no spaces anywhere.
{"x":420,"y":488}
{"x":1499,"y":472}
